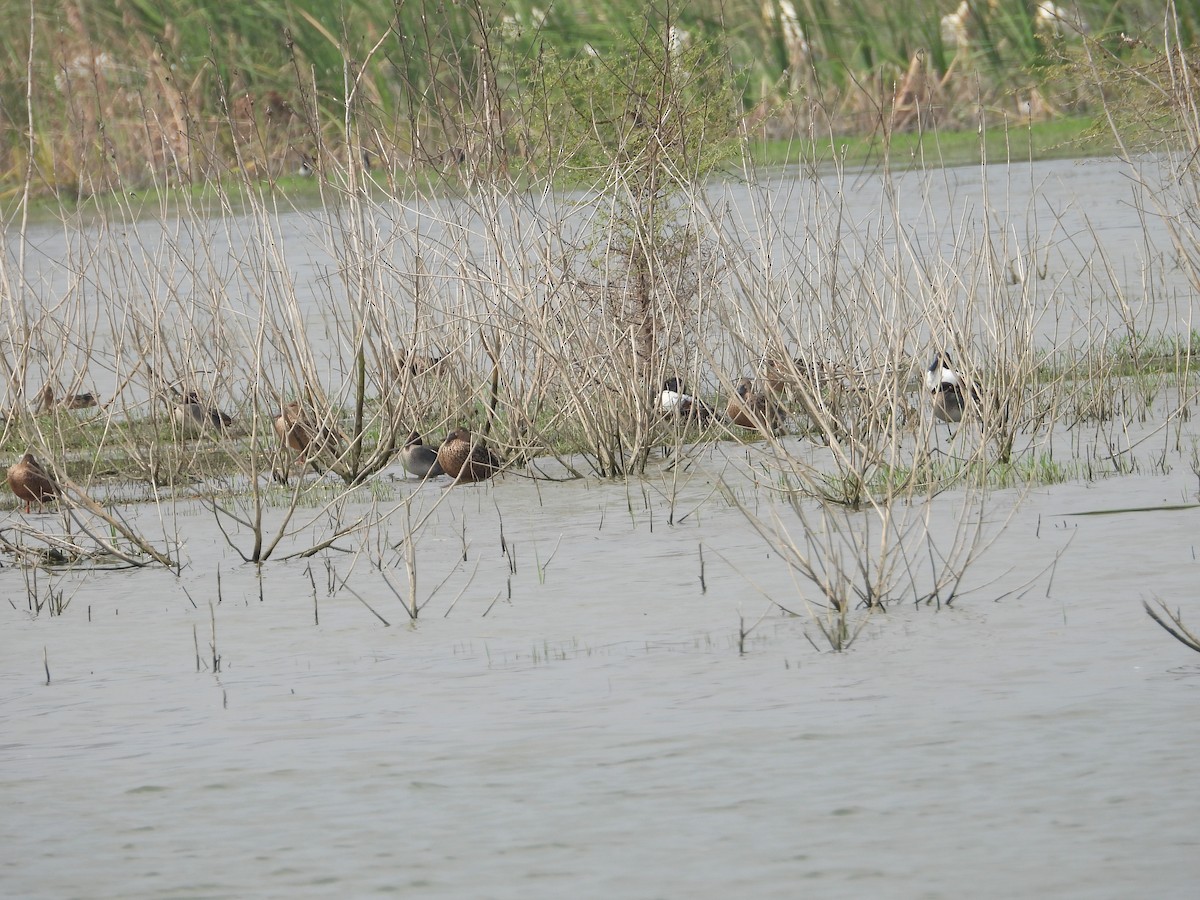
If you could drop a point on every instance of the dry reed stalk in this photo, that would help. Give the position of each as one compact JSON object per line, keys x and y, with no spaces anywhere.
{"x":1172,"y":624}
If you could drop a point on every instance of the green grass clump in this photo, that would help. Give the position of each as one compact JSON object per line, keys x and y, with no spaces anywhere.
{"x":934,"y":474}
{"x":1007,"y":141}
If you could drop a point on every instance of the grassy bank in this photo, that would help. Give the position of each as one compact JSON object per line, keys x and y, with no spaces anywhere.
{"x":1006,"y":140}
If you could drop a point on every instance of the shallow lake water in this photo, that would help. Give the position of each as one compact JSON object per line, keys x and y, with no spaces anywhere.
{"x":589,"y":725}
{"x":606,"y":693}
{"x":1088,"y":256}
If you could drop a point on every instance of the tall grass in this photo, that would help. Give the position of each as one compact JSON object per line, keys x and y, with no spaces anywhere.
{"x":97,"y":98}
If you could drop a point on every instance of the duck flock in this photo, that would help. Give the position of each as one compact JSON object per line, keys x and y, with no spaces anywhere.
{"x":464,"y":457}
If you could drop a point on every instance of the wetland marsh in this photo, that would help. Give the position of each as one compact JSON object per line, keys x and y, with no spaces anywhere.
{"x":759,"y":603}
{"x":551,"y":684}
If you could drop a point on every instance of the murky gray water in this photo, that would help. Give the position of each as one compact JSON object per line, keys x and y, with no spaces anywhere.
{"x":1073,"y":247}
{"x":573,"y":713}
{"x":596,"y":732}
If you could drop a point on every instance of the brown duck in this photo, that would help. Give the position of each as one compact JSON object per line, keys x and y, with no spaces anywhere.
{"x":466,"y":459}
{"x":297,"y":432}
{"x":749,"y":408}
{"x":47,"y":401}
{"x":416,"y":363}
{"x":31,"y":482}
{"x":783,"y":376}
{"x":293,"y":431}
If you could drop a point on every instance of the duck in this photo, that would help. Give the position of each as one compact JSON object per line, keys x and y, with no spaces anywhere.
{"x":416,"y":363}
{"x":465,"y":459}
{"x":676,"y":401}
{"x":776,"y":375}
{"x":85,"y":400}
{"x":297,"y":433}
{"x":951,"y":392}
{"x":192,"y":416}
{"x":30,"y":482}
{"x":783,"y":375}
{"x":293,"y":432}
{"x":419,"y":460}
{"x":47,"y":401}
{"x":749,"y":408}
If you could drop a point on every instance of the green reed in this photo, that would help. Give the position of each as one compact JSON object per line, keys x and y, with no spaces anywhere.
{"x":99,"y":98}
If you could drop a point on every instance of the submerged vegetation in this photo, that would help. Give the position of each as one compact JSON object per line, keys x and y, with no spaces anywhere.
{"x":515,"y":228}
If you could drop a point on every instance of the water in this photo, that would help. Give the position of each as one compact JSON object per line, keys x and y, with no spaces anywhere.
{"x":1089,"y":259}
{"x":575,"y":713}
{"x":599,"y":733}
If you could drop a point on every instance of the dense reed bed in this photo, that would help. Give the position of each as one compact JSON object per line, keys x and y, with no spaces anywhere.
{"x":548,"y":321}
{"x":100,"y":98}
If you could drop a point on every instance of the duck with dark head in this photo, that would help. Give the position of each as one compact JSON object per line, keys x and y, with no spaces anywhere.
{"x":193,"y":416}
{"x":677,"y":402}
{"x":419,"y":460}
{"x":952,"y":393}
